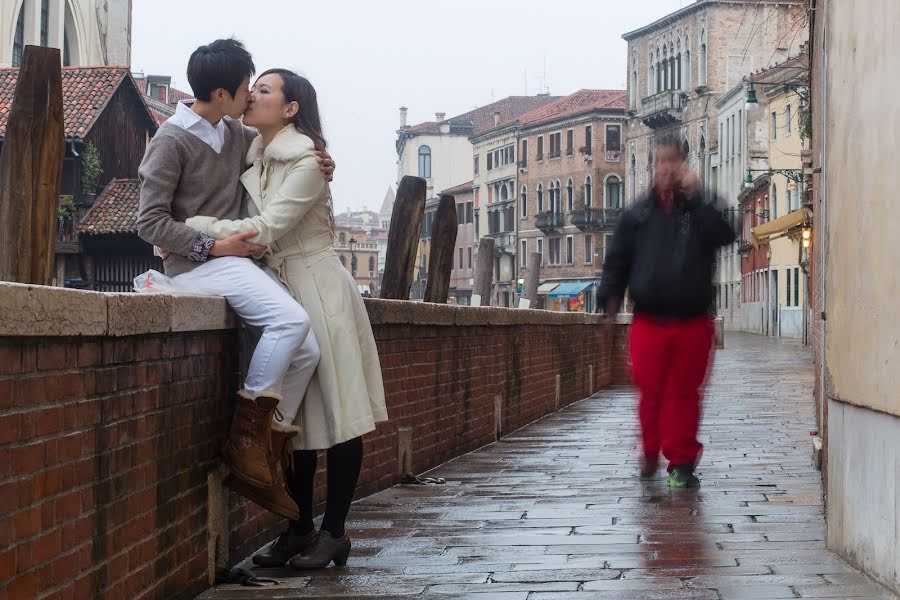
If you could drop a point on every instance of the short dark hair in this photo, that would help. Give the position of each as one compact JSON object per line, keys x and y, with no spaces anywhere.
{"x":670,"y":141}
{"x":220,"y":64}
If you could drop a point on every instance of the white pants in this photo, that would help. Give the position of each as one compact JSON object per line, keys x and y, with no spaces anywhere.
{"x":287,"y":352}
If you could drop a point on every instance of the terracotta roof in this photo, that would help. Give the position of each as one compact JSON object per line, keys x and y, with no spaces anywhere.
{"x":580,"y":102}
{"x":86,"y":92}
{"x":115,"y":210}
{"x":481,"y":119}
{"x":461,"y":188}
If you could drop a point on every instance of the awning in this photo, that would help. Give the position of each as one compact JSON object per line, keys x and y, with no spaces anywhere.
{"x":546,"y":288}
{"x":778,"y":227}
{"x":570,"y":289}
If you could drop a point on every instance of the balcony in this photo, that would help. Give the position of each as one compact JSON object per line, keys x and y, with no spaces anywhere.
{"x":595,"y":219}
{"x":549,"y":221}
{"x":662,"y":109}
{"x":504,"y":242}
{"x":67,"y":236}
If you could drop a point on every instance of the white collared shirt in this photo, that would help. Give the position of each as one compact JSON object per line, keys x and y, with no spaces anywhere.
{"x":187,"y":119}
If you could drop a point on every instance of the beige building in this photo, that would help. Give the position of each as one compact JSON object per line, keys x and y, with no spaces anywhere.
{"x":359,"y":255}
{"x":570,"y":193}
{"x":88,"y":32}
{"x":679,"y":65}
{"x":495,"y":201}
{"x":854,"y":69}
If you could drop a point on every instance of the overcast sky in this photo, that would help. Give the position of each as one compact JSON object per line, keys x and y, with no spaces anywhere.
{"x":367,"y":58}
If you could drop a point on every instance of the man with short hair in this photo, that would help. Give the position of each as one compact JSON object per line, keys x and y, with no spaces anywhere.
{"x":663,"y":251}
{"x":192,"y":167}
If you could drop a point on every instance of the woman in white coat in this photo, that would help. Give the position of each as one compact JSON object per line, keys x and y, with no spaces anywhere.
{"x":291,"y":211}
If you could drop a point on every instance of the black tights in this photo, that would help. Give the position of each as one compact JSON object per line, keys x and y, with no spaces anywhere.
{"x":344,"y":464}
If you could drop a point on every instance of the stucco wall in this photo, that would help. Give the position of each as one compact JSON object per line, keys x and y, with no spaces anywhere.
{"x":862,"y":278}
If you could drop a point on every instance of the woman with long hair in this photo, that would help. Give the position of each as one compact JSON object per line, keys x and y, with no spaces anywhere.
{"x":291,"y":211}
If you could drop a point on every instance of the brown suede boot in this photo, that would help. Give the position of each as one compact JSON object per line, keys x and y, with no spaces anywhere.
{"x":276,"y":497}
{"x":250,"y":442}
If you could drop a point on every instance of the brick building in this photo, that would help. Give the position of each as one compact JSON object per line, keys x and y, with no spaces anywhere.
{"x":679,"y":65}
{"x":570,"y":192}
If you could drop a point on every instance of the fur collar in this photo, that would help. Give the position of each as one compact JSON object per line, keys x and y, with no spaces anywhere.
{"x":287,"y":145}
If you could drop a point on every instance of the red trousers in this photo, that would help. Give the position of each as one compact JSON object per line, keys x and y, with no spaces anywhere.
{"x":669,"y":359}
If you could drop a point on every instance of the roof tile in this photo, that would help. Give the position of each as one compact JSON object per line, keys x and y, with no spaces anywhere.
{"x":115,"y":210}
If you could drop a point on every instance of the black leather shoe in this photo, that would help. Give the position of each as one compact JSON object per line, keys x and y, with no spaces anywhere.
{"x":288,"y":545}
{"x":327,"y":549}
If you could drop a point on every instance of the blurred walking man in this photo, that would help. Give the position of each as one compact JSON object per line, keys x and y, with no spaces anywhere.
{"x":664,"y":252}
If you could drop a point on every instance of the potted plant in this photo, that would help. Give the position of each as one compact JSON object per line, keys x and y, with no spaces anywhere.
{"x":91,"y":169}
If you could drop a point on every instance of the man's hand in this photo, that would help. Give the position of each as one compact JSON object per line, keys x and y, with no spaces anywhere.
{"x":236,"y":245}
{"x":612,"y":309}
{"x":690,"y":183}
{"x":326,"y":164}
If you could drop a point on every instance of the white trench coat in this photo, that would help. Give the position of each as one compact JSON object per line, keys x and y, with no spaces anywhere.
{"x":290,"y":196}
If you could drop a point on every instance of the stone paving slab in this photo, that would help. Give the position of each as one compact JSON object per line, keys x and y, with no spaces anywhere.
{"x":555,"y":511}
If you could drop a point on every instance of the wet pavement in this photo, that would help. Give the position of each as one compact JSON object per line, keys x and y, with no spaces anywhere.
{"x":556,"y":510}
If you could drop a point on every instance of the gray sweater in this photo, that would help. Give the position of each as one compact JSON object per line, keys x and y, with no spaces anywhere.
{"x":181,"y":176}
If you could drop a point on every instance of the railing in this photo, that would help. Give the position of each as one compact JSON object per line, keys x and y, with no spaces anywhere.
{"x":549,"y":221}
{"x":592,"y":219}
{"x":663,"y":108}
{"x":505,"y":240}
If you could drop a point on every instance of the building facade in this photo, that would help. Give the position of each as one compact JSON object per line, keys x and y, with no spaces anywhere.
{"x":359,"y":255}
{"x":88,"y":33}
{"x":678,"y":66}
{"x":856,"y":279}
{"x":570,"y":193}
{"x":494,"y":166}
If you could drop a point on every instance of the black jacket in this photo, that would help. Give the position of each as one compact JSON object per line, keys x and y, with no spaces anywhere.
{"x":665,"y":258}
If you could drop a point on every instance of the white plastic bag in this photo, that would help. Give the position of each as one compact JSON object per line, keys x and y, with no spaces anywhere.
{"x":154,"y":282}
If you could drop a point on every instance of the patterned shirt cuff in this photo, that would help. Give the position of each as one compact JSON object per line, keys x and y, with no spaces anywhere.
{"x":200,"y":250}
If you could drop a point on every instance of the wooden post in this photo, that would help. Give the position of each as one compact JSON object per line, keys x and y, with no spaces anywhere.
{"x":484,"y":271}
{"x":31,"y":170}
{"x":443,"y":245}
{"x":532,"y":278}
{"x":403,"y":238}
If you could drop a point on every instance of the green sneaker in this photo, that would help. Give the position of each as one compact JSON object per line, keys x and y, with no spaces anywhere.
{"x":682,"y":476}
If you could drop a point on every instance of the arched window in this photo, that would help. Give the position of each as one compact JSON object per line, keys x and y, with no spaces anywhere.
{"x":570,"y":195}
{"x":702,"y":61}
{"x":687,"y":64}
{"x":686,"y":149}
{"x":665,"y":69}
{"x":588,"y":191}
{"x":672,"y":69}
{"x":19,"y":40}
{"x":678,"y":61}
{"x":342,"y":237}
{"x":633,"y":178}
{"x":523,"y":202}
{"x":558,"y":194}
{"x":371,"y":264}
{"x":343,"y":261}
{"x":613,"y":192}
{"x":503,"y":193}
{"x":632,"y":99}
{"x":702,"y":158}
{"x":425,"y":162}
{"x":540,"y":197}
{"x":650,"y":168}
{"x":353,"y":262}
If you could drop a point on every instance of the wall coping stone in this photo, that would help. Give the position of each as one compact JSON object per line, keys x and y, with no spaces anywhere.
{"x":43,"y":311}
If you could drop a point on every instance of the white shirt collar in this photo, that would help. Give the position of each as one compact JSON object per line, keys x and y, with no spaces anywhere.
{"x":187,"y":119}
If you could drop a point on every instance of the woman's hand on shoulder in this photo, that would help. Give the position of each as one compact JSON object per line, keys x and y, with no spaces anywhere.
{"x":326,"y":164}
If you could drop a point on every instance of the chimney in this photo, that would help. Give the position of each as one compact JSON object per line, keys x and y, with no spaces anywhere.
{"x":496,"y":118}
{"x":439,"y":116}
{"x":403,"y":110}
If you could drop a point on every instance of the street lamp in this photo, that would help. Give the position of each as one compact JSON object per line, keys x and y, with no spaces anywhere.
{"x":353,"y":257}
{"x":798,"y":88}
{"x":806,"y":236}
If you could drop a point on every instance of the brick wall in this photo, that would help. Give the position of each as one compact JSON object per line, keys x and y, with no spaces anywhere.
{"x":109,"y":434}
